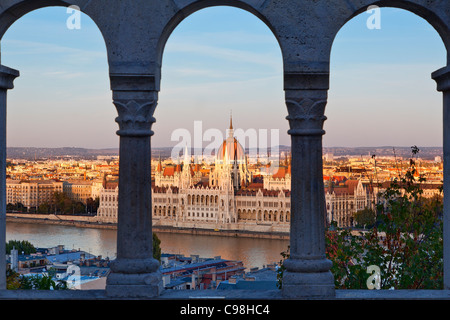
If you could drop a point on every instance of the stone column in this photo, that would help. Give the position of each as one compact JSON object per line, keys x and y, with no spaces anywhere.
{"x":135,"y":273}
{"x":7,"y":77}
{"x":307,"y":269}
{"x":442,"y":77}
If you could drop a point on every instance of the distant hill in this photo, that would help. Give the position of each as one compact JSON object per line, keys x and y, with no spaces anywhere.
{"x":34,"y":153}
{"x":427,"y":153}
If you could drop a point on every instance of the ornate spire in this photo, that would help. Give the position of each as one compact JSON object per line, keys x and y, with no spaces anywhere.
{"x":230,"y":130}
{"x":231,"y":120}
{"x":159,"y":168}
{"x":187,"y":157}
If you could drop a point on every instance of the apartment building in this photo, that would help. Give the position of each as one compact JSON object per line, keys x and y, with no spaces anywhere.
{"x":82,"y":190}
{"x":31,"y":193}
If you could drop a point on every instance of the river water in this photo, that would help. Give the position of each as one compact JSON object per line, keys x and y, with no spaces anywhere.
{"x":252,"y":252}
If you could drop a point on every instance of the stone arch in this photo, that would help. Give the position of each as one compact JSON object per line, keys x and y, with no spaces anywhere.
{"x":17,"y":9}
{"x":436,"y":16}
{"x":191,"y":8}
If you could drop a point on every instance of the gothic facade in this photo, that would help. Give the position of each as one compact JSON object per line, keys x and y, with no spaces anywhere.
{"x":344,"y":199}
{"x":226,"y":196}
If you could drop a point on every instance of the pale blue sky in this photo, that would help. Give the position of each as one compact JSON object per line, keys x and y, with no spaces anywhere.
{"x":218,"y":60}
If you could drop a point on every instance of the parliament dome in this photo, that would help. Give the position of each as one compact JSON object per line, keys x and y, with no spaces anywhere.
{"x":231,"y":148}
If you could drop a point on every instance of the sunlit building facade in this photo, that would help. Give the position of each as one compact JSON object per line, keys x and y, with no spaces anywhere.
{"x":182,"y":194}
{"x":344,"y":198}
{"x":33,"y":193}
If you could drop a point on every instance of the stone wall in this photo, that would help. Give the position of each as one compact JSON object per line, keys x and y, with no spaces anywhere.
{"x":51,"y":217}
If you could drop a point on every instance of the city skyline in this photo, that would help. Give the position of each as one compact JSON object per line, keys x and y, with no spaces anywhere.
{"x":377,"y":78}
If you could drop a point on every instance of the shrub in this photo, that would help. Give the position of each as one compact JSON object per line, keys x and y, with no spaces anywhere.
{"x":405,"y":243}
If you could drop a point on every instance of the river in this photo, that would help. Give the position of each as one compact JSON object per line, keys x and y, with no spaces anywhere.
{"x":251,"y":251}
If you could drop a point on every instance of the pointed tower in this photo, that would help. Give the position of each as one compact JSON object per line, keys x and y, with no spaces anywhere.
{"x":225,"y":173}
{"x":159,"y":167}
{"x":231,"y":120}
{"x":187,"y":157}
{"x":104,"y":181}
{"x":230,"y":129}
{"x":186,"y":172}
{"x":159,"y":173}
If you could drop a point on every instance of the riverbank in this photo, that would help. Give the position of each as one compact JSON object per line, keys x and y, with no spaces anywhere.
{"x":62,"y":222}
{"x":89,"y":222}
{"x":222,"y":232}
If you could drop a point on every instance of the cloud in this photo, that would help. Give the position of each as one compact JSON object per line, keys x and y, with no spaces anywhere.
{"x":15,"y":50}
{"x":268,"y":60}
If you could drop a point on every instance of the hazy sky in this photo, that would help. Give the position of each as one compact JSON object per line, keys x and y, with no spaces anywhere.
{"x":221,"y":60}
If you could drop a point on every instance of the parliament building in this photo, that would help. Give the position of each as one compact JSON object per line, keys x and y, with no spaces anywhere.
{"x":229,"y":197}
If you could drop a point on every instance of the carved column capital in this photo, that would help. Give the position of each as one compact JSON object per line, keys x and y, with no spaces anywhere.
{"x":306,"y":98}
{"x":7,"y":76}
{"x":135,"y":116}
{"x":306,"y":116}
{"x":135,"y":97}
{"x":442,"y":78}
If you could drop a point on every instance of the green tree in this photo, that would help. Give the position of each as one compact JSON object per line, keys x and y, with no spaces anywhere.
{"x":411,"y":230}
{"x":21,"y":207}
{"x":365,"y":218}
{"x":44,"y":208}
{"x":41,"y":282}
{"x":16,"y":207}
{"x":12,"y":280}
{"x":93,"y":204}
{"x":156,"y":247}
{"x":78,"y":207}
{"x":65,"y":205}
{"x":280,"y":271}
{"x":21,"y":246}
